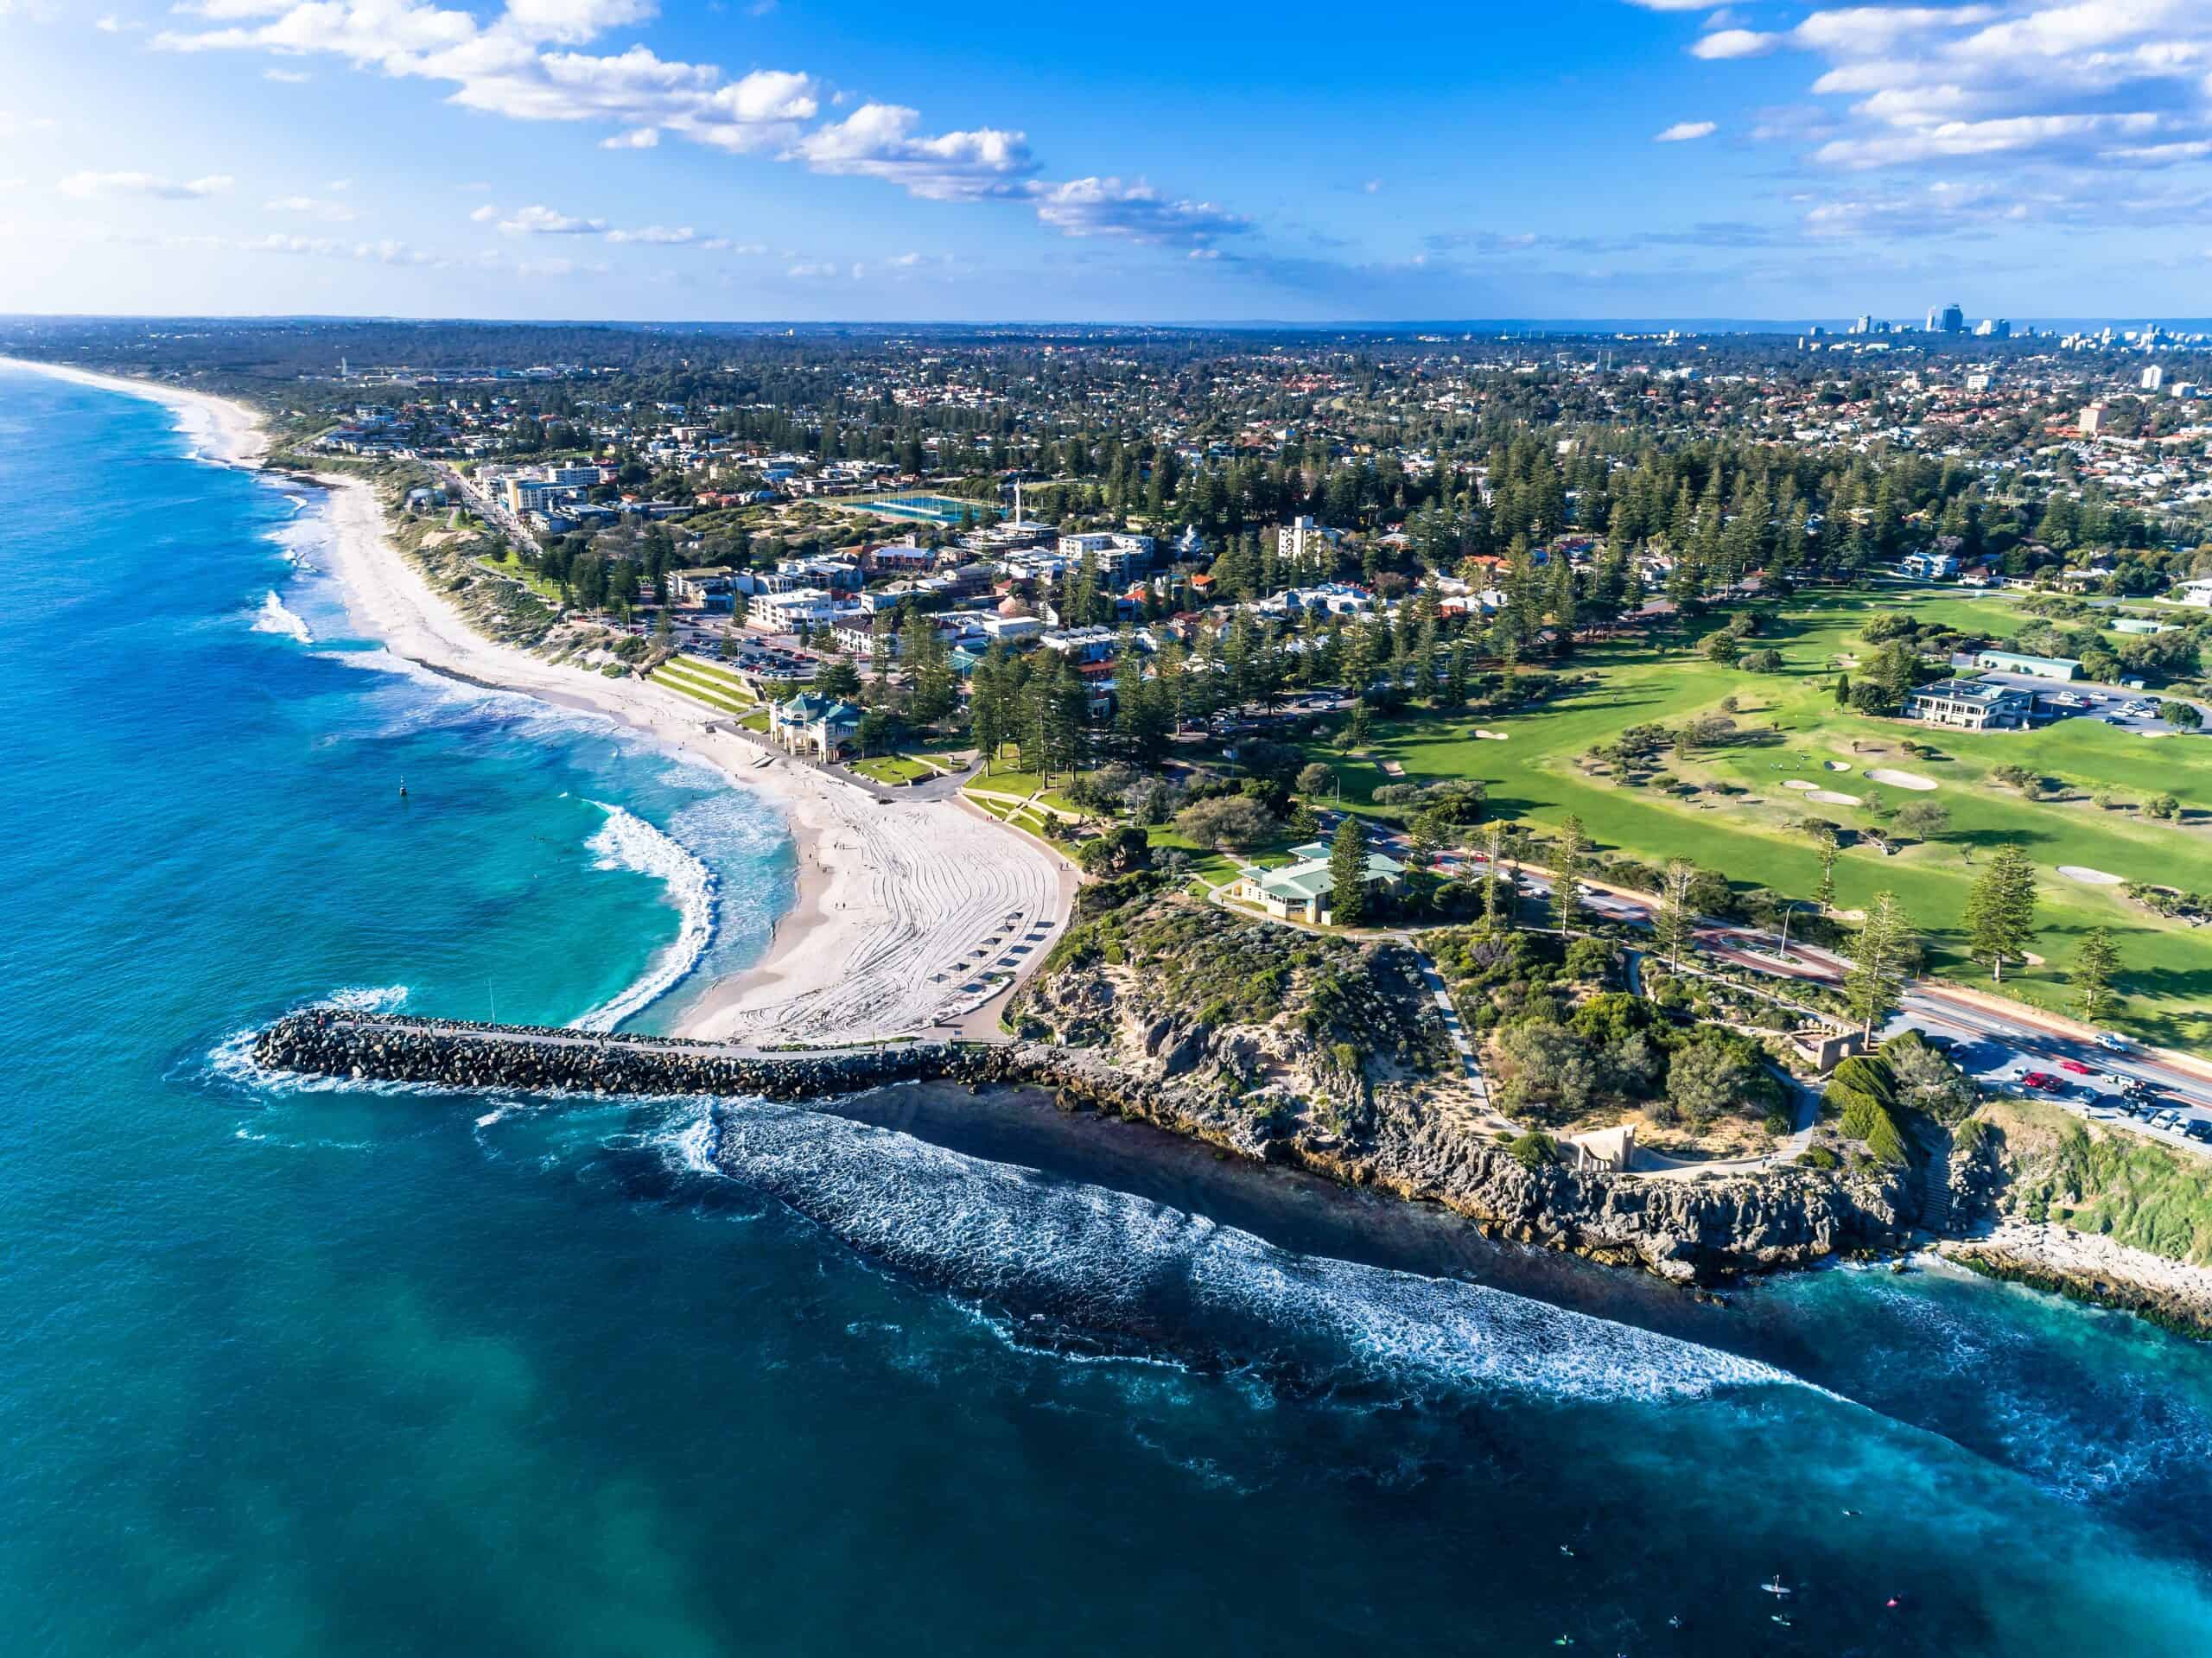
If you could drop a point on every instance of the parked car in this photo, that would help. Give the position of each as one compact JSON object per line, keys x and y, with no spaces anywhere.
{"x":2076,"y":1067}
{"x":2199,"y":1128}
{"x":2112,"y":1039}
{"x":2043,"y":1081}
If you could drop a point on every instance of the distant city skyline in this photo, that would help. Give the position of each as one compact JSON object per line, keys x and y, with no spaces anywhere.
{"x":692,"y":160}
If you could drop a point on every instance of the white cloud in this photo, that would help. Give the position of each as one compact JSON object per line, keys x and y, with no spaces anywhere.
{"x":485,"y":214}
{"x":574,"y":20}
{"x":522,"y":64}
{"x":1683,"y":131}
{"x":86,"y":185}
{"x":879,"y":141}
{"x":658,"y":235}
{"x":287,"y":77}
{"x":537,"y":221}
{"x":1110,"y":207}
{"x":1735,"y":43}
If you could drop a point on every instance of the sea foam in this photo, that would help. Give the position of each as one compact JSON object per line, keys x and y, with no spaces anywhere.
{"x":1127,"y":1276}
{"x":275,"y":617}
{"x":627,"y":841}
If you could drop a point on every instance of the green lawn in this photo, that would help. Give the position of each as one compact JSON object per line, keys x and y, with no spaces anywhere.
{"x":513,"y":568}
{"x":893,"y":769}
{"x":705,"y":690}
{"x":721,"y":678}
{"x":2166,"y":969}
{"x":1024,"y":784}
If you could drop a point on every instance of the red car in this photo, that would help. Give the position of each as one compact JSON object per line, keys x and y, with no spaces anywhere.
{"x":2076,"y":1067}
{"x":2041,"y":1079}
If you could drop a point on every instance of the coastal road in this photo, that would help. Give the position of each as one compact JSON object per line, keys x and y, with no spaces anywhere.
{"x":1995,"y":1044}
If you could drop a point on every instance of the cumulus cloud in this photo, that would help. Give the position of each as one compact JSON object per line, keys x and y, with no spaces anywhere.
{"x":1735,"y":43}
{"x":539,"y":220}
{"x":1683,"y":131}
{"x":2068,"y":94}
{"x":658,"y":235}
{"x":1110,"y":207}
{"x":86,"y":185}
{"x":527,"y":63}
{"x":880,"y":141}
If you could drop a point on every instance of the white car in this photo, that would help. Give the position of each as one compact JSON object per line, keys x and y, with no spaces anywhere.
{"x":2112,"y":1039}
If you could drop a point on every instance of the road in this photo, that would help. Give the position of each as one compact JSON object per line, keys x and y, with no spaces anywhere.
{"x":1996,"y":1047}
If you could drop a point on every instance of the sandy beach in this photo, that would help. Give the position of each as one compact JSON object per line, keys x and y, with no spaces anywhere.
{"x":901,"y":906}
{"x":898,"y":904}
{"x":226,"y":432}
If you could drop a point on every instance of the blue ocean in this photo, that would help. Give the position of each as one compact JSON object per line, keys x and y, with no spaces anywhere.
{"x":295,"y":1369}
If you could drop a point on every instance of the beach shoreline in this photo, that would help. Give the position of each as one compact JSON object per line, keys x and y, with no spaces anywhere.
{"x":891,"y":898}
{"x":224,"y":431}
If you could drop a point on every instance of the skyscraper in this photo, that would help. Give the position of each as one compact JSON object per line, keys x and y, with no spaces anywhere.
{"x":1955,"y":319}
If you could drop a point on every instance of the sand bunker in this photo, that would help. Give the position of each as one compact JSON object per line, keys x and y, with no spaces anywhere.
{"x":1830,"y":797}
{"x":1799,"y":783}
{"x":2089,"y":877}
{"x":1837,"y":766}
{"x":1490,"y":736}
{"x":1912,"y":780}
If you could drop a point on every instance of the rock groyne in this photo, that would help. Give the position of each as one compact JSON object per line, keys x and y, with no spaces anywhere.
{"x":457,"y":1053}
{"x":1699,"y":1230}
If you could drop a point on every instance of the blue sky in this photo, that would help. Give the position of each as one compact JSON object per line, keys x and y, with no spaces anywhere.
{"x":824,"y":159}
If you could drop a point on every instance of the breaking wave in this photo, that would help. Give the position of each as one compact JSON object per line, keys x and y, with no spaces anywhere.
{"x":627,"y":841}
{"x":275,"y":617}
{"x":1080,"y":1269}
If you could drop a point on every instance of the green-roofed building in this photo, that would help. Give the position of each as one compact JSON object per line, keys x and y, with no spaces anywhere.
{"x":1300,"y":890}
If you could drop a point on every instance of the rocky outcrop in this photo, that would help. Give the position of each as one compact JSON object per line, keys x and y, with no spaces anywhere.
{"x":1693,"y":1229}
{"x":2083,"y":1266}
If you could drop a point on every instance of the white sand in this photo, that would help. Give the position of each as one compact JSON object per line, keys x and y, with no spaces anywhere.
{"x":1836,"y":766}
{"x":1830,"y":797}
{"x":226,"y":433}
{"x":907,"y":911}
{"x":1896,"y":779}
{"x":2089,"y":877}
{"x":902,"y":907}
{"x":1490,"y":736}
{"x":1802,"y":784}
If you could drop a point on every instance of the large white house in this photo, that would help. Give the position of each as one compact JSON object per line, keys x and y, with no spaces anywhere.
{"x":786,"y":612}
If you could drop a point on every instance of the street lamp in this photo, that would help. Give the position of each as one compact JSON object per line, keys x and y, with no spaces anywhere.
{"x":1787,"y":910}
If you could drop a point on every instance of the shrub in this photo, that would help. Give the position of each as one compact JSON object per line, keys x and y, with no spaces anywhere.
{"x":1534,"y":1149}
{"x":1819,"y":1156}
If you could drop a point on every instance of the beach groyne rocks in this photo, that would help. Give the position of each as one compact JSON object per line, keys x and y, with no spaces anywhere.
{"x":1697,"y":1231}
{"x":454,"y":1053}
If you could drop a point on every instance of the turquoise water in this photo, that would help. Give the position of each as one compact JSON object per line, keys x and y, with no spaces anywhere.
{"x":931,"y":509}
{"x":327,"y":1369}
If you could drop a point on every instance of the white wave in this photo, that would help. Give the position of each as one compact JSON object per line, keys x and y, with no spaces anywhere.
{"x":275,"y":616}
{"x":368,"y":998}
{"x":1086,"y":1260}
{"x":627,"y":841}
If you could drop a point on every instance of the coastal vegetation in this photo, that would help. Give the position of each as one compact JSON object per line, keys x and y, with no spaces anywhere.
{"x":2101,"y":1180}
